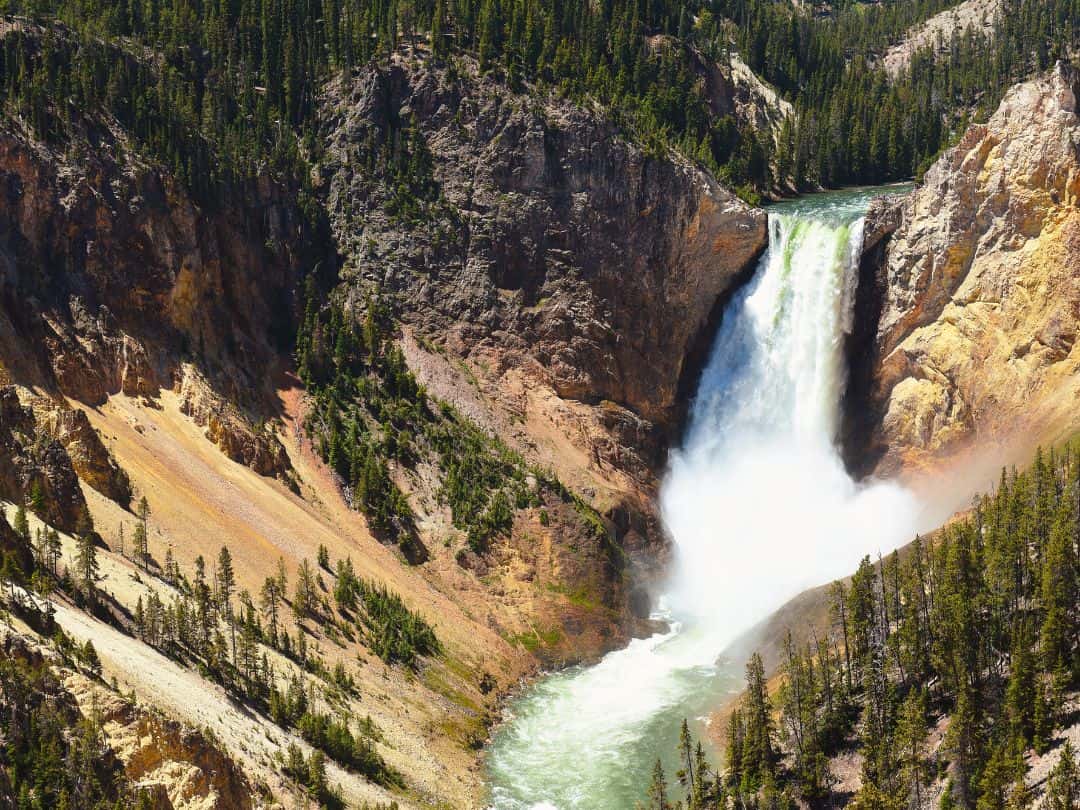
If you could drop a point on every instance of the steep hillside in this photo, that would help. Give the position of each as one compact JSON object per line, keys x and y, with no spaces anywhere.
{"x":135,"y":287}
{"x":944,"y":675}
{"x":938,"y":32}
{"x":401,"y":554}
{"x":546,"y":246}
{"x":970,"y":307}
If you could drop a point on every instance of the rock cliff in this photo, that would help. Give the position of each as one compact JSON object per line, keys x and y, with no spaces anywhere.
{"x":559,"y":285}
{"x":552,"y":243}
{"x":112,"y":276}
{"x":555,"y":282}
{"x":971,"y":17}
{"x":971,"y":305}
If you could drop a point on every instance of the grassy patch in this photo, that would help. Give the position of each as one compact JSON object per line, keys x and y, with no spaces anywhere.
{"x":537,"y":638}
{"x":579,"y":597}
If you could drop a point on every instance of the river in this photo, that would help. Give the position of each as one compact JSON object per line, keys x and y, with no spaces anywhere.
{"x":759,"y":507}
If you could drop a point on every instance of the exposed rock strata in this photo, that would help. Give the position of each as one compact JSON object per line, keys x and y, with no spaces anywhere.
{"x":36,"y":465}
{"x":559,"y":244}
{"x":974,"y":326}
{"x":90,"y":458}
{"x":111,"y":275}
{"x":560,"y":286}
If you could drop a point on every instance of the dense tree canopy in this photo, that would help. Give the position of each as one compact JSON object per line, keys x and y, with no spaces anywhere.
{"x":233,"y":86}
{"x":980,"y":624}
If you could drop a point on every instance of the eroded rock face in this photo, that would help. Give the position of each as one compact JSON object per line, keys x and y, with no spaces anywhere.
{"x":112,"y":276}
{"x":976,"y":323}
{"x":557,"y":241}
{"x":560,"y":286}
{"x":967,"y":17}
{"x":89,"y":457}
{"x":35,"y":462}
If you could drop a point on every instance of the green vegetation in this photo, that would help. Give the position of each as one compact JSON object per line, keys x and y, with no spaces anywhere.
{"x":235,"y":88}
{"x":982,"y":626}
{"x":395,"y":633}
{"x":331,"y":736}
{"x":854,"y":124}
{"x":53,"y":756}
{"x":372,"y":422}
{"x":538,"y":638}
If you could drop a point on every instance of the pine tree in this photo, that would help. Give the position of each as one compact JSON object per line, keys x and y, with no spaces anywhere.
{"x":170,"y":566}
{"x":55,"y":547}
{"x":438,"y":34}
{"x":736,"y":733}
{"x":90,"y":658}
{"x":204,"y":606}
{"x":226,"y":582}
{"x":11,"y":571}
{"x":140,"y":617}
{"x":758,"y":753}
{"x":963,"y":742}
{"x":305,"y":595}
{"x":658,"y":790}
{"x":1059,"y":592}
{"x":270,"y":598}
{"x":687,"y":776}
{"x":1063,"y":786}
{"x":282,"y":577}
{"x":141,"y":537}
{"x":21,"y":525}
{"x":37,"y":498}
{"x":86,"y":564}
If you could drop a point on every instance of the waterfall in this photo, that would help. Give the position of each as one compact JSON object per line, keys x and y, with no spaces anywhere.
{"x":759,"y":506}
{"x":757,"y":499}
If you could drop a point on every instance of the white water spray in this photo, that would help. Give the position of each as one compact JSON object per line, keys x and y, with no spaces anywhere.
{"x":758,"y":500}
{"x":759,"y":506}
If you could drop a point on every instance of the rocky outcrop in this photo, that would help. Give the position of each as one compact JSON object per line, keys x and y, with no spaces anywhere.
{"x":551,"y":237}
{"x":89,"y":457}
{"x":969,"y":17}
{"x":253,"y":445}
{"x":113,"y":275}
{"x":36,"y":468}
{"x":734,"y":89}
{"x":977,"y":304}
{"x":557,"y":283}
{"x":178,"y":761}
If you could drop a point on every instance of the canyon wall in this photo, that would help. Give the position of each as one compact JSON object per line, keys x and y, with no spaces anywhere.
{"x":556,"y":246}
{"x":970,"y":298}
{"x":555,"y":281}
{"x":114,"y":278}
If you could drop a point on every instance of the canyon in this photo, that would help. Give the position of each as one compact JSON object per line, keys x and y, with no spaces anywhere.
{"x":554,"y":284}
{"x":965,"y":349}
{"x":563,"y":304}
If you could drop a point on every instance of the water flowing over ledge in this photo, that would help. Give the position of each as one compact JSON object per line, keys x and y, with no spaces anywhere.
{"x":759,"y":505}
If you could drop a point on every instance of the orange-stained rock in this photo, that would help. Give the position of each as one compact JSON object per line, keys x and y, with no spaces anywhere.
{"x":975,"y":346}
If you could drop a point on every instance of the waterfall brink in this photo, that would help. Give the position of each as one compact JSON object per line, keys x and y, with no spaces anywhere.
{"x":759,"y":506}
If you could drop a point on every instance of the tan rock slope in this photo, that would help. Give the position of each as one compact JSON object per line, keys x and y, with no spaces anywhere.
{"x":974,"y":16}
{"x":973,"y":302}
